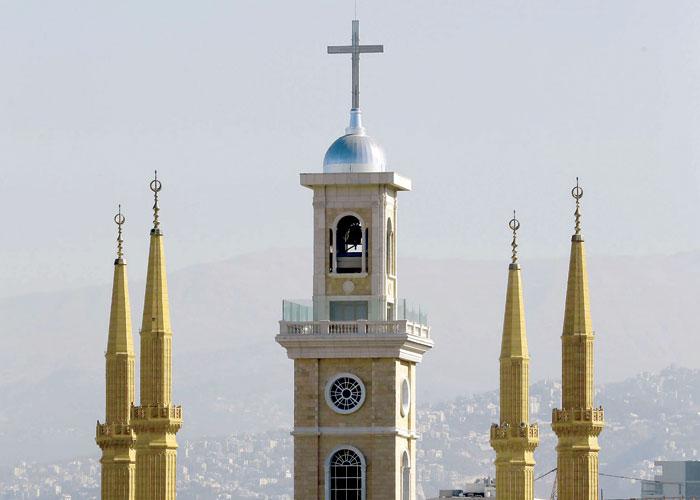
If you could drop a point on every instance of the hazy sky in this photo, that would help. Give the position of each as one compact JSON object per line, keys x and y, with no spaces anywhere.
{"x":487,"y":105}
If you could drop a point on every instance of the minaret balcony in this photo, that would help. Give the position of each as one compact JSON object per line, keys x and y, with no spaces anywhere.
{"x":156,"y":418}
{"x":157,"y":411}
{"x":114,"y":433}
{"x":596,"y":415}
{"x":530,"y":432}
{"x":578,"y":421}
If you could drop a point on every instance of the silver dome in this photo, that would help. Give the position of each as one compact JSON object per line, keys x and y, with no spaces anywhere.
{"x":355,"y":151}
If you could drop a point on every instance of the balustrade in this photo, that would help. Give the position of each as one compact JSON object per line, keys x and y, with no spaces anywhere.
{"x":361,"y":327}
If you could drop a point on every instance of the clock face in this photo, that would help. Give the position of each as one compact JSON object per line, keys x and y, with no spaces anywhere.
{"x":345,"y":393}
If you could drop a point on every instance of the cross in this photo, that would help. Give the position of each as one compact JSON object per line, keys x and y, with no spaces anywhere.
{"x":355,"y":49}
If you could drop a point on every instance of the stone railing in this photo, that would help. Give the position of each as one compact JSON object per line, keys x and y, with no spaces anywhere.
{"x":359,"y":327}
{"x":523,"y":430}
{"x":594,"y":415}
{"x":156,"y":411}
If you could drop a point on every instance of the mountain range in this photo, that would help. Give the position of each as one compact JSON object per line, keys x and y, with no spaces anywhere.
{"x":229,"y":373}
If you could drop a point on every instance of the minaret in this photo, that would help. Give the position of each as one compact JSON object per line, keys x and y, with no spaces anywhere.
{"x":514,"y":439}
{"x":578,"y":423}
{"x":156,"y":420}
{"x":115,"y":437}
{"x":356,"y":349}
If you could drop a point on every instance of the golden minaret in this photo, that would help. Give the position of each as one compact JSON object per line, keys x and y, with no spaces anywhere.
{"x":156,"y":421}
{"x":115,"y":437}
{"x":578,"y":423}
{"x":514,"y":439}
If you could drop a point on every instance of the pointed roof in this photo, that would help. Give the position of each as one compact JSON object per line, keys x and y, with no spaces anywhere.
{"x":156,"y":309}
{"x":120,"y":339}
{"x":514,"y":340}
{"x":577,"y":313}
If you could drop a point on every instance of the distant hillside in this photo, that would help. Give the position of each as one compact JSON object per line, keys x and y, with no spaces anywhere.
{"x":649,"y":417}
{"x":228,"y":371}
{"x":652,"y":416}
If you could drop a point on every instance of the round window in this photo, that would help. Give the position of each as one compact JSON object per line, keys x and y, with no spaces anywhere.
{"x":345,"y":393}
{"x":405,"y":397}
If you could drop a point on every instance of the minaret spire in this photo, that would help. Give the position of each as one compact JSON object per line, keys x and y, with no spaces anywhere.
{"x":514,"y":225}
{"x":156,"y":420}
{"x":116,"y":437}
{"x":156,"y":186}
{"x":577,"y":193}
{"x":578,"y":423}
{"x":119,"y":219}
{"x":514,"y":439}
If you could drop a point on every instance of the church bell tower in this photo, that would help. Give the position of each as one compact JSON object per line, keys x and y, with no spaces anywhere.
{"x":356,"y":345}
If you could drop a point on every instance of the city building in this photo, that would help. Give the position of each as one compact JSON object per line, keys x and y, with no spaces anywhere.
{"x":674,"y":480}
{"x":514,"y":439}
{"x":578,"y":423}
{"x":355,"y":359}
{"x":481,"y":488}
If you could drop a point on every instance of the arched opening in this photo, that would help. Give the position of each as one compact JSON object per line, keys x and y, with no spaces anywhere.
{"x":345,"y":475}
{"x":350,"y":245}
{"x":331,"y":253}
{"x":405,"y":477}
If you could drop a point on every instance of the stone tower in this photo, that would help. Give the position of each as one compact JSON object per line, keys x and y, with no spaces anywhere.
{"x":156,"y":420}
{"x":115,"y":437}
{"x":514,"y":439}
{"x":355,"y":349}
{"x":578,"y":423}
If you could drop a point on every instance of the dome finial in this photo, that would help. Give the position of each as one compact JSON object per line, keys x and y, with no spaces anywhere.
{"x":514,"y":225}
{"x":119,"y":220}
{"x":577,"y":193}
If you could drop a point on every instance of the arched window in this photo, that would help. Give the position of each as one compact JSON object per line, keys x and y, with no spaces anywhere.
{"x":350,"y":245}
{"x":345,"y":475}
{"x":405,"y":477}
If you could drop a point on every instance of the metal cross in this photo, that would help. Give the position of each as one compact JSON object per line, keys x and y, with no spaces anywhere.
{"x":355,"y":49}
